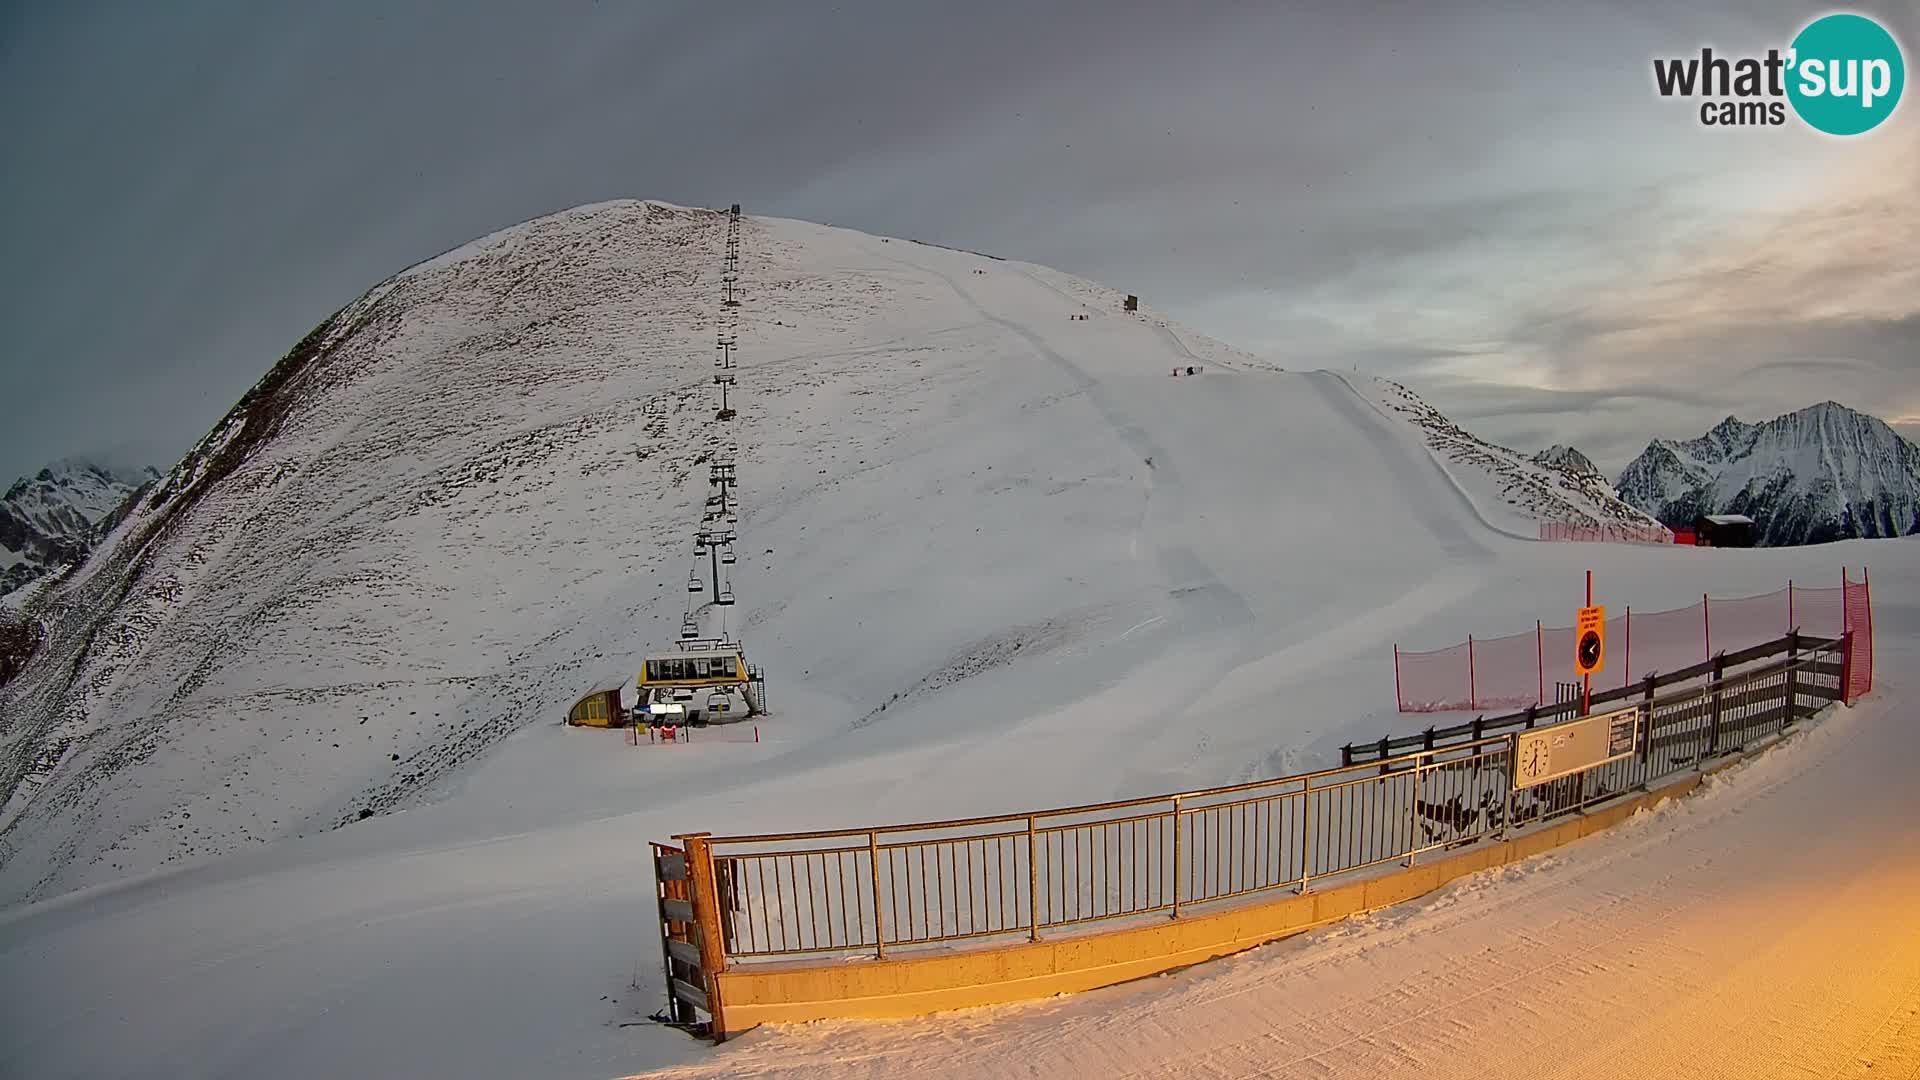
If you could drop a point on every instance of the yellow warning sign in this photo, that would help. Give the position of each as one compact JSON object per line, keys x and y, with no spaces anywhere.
{"x":1590,"y":640}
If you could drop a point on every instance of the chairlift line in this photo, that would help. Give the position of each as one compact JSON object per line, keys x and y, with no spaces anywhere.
{"x":714,"y":669}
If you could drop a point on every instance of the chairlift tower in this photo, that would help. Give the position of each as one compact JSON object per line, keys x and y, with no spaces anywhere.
{"x":711,"y":540}
{"x":721,"y":475}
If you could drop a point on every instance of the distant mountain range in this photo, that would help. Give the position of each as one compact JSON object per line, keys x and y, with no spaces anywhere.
{"x":1569,"y":460}
{"x":52,"y":519}
{"x":1557,"y":485}
{"x":1823,"y":473}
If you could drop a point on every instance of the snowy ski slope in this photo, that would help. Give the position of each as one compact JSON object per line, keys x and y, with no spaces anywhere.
{"x":478,"y":499}
{"x":992,"y":557}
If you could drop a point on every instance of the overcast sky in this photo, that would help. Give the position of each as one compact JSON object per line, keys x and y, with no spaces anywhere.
{"x":1485,"y":201}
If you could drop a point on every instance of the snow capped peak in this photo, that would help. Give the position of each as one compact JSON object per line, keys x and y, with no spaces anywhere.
{"x":53,"y":517}
{"x":1557,"y":485}
{"x":1567,"y":458}
{"x":1824,"y":472}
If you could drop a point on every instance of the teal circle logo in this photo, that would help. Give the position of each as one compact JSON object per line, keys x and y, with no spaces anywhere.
{"x":1845,"y":74}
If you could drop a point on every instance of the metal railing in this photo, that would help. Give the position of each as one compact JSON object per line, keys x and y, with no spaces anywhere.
{"x":901,"y":887}
{"x":1717,"y":667}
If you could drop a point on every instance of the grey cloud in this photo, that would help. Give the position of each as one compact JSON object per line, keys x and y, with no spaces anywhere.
{"x":1486,"y":199}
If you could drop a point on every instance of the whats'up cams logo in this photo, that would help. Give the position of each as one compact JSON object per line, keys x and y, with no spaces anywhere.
{"x":1842,"y":74}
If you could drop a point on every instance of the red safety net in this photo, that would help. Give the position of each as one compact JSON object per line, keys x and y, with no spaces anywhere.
{"x":1522,"y":669}
{"x":1615,"y":533}
{"x":1858,"y":617}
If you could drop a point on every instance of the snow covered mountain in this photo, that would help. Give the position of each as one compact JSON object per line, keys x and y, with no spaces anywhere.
{"x":466,"y":498}
{"x":969,"y":491}
{"x":52,"y":519}
{"x":1567,"y":459}
{"x":1823,"y":473}
{"x":1557,"y":485}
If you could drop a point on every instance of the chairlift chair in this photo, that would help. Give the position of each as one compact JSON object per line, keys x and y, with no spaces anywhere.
{"x":694,"y":584}
{"x":727,"y":557}
{"x":725,"y":599}
{"x":718,"y":703}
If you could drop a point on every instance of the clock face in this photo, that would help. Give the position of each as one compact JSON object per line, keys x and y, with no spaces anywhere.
{"x":1534,"y":762}
{"x":1589,"y":651}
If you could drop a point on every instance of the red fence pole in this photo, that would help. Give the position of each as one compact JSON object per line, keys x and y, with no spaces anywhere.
{"x":1540,"y":662}
{"x":1790,"y":622}
{"x":1628,"y":680}
{"x":1473,"y":685}
{"x":1866,"y":587}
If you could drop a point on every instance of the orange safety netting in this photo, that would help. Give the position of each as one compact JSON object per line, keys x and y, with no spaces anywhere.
{"x":1522,"y":669}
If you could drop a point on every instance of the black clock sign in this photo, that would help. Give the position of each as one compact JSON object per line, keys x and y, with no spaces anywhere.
{"x":1590,"y":640}
{"x":1589,"y":651}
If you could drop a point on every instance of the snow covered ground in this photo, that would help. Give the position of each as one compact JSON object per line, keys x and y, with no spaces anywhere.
{"x":1764,"y":927}
{"x":992,"y":557}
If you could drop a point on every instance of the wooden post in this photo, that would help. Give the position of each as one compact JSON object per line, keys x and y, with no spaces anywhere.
{"x":1646,"y":748}
{"x":1793,"y":679}
{"x":1473,"y":687}
{"x":1627,"y":676}
{"x":1706,"y":620}
{"x":706,"y":915}
{"x":1399,"y":699}
{"x":1846,"y":666}
{"x":1713,"y":730}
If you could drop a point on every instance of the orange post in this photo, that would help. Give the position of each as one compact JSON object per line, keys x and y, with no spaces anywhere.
{"x":1586,"y":680}
{"x":706,"y":917}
